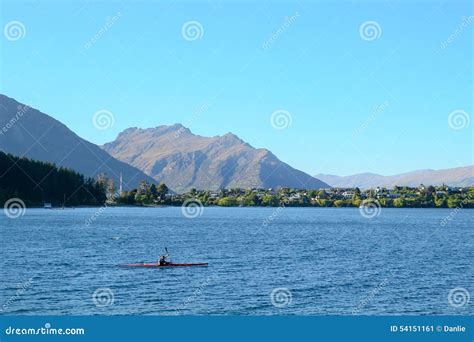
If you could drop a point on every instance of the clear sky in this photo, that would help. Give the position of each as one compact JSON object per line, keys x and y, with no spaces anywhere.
{"x":360,"y":100}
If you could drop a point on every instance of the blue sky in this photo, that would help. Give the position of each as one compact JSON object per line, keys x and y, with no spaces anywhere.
{"x":356,"y":104}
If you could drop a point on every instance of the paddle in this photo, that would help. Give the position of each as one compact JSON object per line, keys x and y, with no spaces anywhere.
{"x":167,"y":254}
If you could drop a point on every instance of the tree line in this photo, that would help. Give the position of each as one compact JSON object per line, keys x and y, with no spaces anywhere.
{"x":37,"y":182}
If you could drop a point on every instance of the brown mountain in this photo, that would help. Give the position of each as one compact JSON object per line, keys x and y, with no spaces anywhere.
{"x":459,"y":176}
{"x":182,"y":160}
{"x":27,"y":132}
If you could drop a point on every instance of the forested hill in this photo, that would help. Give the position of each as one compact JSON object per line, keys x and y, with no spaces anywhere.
{"x":36,"y":182}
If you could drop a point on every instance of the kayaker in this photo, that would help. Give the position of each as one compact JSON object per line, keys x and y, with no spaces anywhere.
{"x":163,"y":260}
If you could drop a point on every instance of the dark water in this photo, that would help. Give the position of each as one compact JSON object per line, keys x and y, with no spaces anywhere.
{"x":329,"y":261}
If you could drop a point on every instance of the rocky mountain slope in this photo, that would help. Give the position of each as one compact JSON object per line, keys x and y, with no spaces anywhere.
{"x":25,"y":131}
{"x":183,"y":160}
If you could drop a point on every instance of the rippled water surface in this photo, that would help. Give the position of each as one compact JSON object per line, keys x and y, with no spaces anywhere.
{"x":328,"y":261}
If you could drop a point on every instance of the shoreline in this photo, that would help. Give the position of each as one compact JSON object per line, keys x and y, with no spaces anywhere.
{"x":241,"y":207}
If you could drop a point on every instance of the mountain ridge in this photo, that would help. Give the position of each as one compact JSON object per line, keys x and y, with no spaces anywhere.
{"x":174,"y":155}
{"x":459,"y":176}
{"x":36,"y":135}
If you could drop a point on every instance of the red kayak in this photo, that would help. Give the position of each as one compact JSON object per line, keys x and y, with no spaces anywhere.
{"x":166,"y":265}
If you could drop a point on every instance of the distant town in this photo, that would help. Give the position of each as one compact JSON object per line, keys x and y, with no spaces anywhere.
{"x":399,"y":197}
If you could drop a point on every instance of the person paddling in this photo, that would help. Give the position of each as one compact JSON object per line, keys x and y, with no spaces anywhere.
{"x":163,"y":260}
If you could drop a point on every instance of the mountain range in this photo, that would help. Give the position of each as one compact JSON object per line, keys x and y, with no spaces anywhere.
{"x":179,"y":158}
{"x":169,"y":154}
{"x":27,"y":132}
{"x":460,"y":176}
{"x":183,"y":160}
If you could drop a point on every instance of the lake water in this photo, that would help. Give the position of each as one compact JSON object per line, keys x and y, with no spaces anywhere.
{"x":316,"y":261}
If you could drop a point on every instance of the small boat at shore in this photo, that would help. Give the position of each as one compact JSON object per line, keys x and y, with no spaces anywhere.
{"x":165,"y":265}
